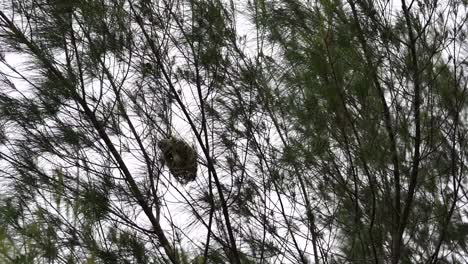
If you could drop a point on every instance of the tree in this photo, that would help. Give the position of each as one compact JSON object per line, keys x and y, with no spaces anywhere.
{"x":326,"y":132}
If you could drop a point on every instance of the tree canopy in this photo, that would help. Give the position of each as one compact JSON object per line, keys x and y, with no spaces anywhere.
{"x":211,"y":131}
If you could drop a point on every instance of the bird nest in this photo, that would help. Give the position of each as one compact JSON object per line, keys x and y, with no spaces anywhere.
{"x":180,"y":158}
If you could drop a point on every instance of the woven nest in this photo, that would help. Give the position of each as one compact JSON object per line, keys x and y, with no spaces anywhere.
{"x":180,"y":158}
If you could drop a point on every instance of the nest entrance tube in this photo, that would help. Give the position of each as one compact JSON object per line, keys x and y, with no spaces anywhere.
{"x":180,"y":158}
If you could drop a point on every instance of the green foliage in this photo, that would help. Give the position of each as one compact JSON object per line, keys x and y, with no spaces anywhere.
{"x":129,"y":242}
{"x":319,"y":131}
{"x":93,"y":204}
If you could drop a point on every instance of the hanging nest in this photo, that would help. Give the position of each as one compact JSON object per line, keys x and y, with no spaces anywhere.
{"x":180,"y":158}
